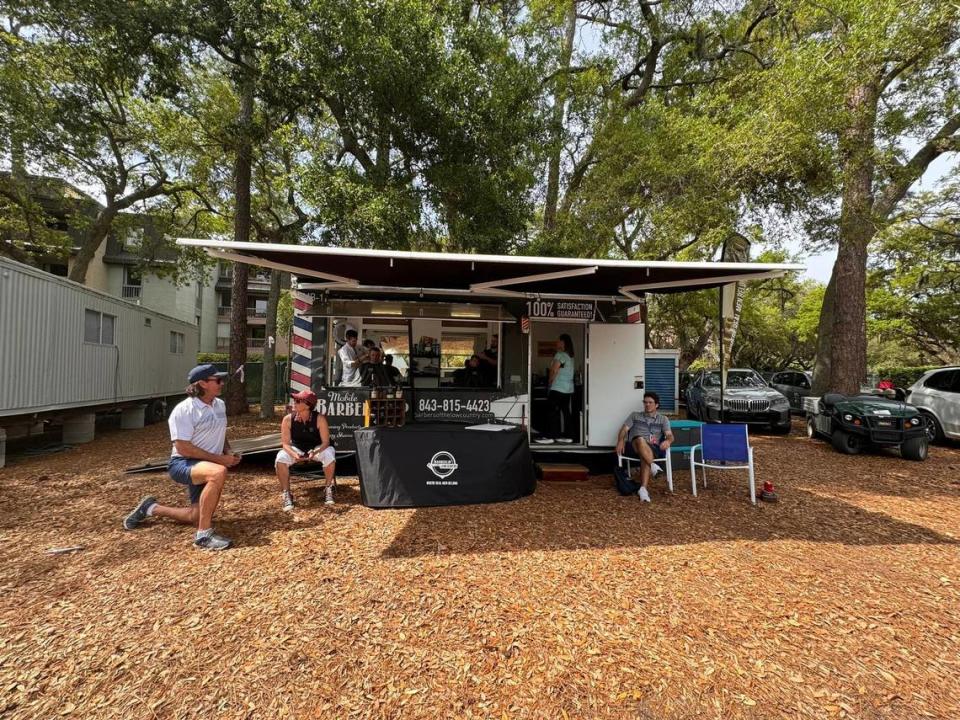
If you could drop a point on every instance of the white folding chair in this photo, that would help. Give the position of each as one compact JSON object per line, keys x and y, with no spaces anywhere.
{"x":665,"y":461}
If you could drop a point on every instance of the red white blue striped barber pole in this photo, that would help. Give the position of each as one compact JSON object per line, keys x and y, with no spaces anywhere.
{"x":301,"y":352}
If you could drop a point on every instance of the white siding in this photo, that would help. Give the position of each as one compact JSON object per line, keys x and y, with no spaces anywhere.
{"x":46,"y":364}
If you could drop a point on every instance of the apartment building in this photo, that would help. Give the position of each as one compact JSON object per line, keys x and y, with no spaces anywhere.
{"x":118,"y":269}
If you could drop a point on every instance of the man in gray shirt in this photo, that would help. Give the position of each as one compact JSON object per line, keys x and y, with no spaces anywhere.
{"x":648,"y":434}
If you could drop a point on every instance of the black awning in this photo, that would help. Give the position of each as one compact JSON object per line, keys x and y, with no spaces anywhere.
{"x":471,"y":312}
{"x":487,"y":275}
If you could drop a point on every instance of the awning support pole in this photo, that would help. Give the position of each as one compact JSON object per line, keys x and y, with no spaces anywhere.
{"x":720,"y":345}
{"x":493,"y":284}
{"x":260,"y":262}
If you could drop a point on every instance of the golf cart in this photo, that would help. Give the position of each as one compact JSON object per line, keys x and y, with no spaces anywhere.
{"x":856,"y":422}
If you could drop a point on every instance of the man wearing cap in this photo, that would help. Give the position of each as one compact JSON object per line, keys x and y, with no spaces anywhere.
{"x":305,"y":436}
{"x":199,"y":459}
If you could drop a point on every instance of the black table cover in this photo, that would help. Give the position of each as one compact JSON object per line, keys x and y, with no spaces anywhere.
{"x":428,"y":464}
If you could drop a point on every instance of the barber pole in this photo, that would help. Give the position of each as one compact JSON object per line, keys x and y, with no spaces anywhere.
{"x":524,"y":324}
{"x":301,"y":351}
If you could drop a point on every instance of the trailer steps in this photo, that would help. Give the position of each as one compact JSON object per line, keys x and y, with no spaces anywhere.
{"x":562,"y":472}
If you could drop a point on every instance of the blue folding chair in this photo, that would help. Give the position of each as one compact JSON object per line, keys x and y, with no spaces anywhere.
{"x":723,"y":447}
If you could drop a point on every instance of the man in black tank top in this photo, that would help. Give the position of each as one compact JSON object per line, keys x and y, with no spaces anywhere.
{"x":305,"y":436}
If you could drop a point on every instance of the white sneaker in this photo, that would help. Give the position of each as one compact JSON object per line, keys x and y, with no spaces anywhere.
{"x":543,"y":441}
{"x":287,"y":502}
{"x":655,"y":470}
{"x":328,"y":496}
{"x":644,"y":495}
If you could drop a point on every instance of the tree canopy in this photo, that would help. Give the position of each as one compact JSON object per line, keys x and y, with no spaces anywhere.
{"x":630,"y":129}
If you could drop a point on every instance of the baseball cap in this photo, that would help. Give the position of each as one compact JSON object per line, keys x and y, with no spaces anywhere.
{"x":204,"y":372}
{"x":307,"y":396}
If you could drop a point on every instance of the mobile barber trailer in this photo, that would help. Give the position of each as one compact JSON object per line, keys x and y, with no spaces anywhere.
{"x":69,"y":352}
{"x":434,"y":311}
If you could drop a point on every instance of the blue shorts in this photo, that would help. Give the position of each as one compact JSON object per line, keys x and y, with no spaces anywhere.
{"x":179,"y":469}
{"x":656,"y":449}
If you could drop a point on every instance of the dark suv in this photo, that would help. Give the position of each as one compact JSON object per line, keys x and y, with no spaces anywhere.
{"x":795,"y":384}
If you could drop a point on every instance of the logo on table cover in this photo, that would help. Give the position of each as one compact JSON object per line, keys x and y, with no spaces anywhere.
{"x":442,"y":464}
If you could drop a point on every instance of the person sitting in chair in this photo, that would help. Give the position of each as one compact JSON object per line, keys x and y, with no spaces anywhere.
{"x":395,"y":376}
{"x":374,"y":372}
{"x":305,"y":436}
{"x":649,"y":436}
{"x":473,"y":374}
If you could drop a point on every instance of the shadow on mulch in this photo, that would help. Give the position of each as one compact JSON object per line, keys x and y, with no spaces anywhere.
{"x":593,"y":516}
{"x":109,"y":546}
{"x":881,"y":471}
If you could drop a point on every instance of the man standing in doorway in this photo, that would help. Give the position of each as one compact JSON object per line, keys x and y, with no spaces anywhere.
{"x":199,"y":459}
{"x":649,"y":435}
{"x":491,"y":359}
{"x":350,"y":359}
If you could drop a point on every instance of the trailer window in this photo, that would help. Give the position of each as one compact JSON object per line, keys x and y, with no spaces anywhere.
{"x":98,"y":327}
{"x":176,"y":343}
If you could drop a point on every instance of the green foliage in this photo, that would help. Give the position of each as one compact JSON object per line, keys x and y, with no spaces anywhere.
{"x":285,"y":314}
{"x":428,"y":125}
{"x":902,"y":377}
{"x":78,"y":94}
{"x":430,"y":117}
{"x":777,"y":329}
{"x":216,"y":357}
{"x":913,"y":288}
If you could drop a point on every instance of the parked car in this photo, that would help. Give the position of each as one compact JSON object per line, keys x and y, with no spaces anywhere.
{"x":852,"y":423}
{"x":746,"y":399}
{"x":937,"y":396}
{"x":795,"y":384}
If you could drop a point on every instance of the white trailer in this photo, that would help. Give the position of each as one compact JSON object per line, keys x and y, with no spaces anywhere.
{"x":68,"y":352}
{"x":525,"y":301}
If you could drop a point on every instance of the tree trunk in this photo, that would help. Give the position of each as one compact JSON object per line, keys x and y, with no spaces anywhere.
{"x":736,"y":248}
{"x":268,"y":389}
{"x":689,"y":355}
{"x":236,"y":392}
{"x":18,"y":158}
{"x":821,"y":367}
{"x":848,"y":330}
{"x":91,"y":243}
{"x":557,"y":123}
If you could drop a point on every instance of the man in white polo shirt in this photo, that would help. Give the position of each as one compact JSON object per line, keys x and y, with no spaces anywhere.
{"x":199,"y":459}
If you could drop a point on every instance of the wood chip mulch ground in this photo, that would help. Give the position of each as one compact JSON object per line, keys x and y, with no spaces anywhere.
{"x":841,"y":600}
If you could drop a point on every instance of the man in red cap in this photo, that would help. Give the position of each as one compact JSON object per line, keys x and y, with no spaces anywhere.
{"x":305,"y":436}
{"x":199,"y":459}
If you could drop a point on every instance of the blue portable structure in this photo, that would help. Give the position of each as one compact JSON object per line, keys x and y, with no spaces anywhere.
{"x":662,"y":371}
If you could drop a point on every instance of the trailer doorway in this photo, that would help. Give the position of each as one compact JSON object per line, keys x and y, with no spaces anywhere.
{"x":547,"y":422}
